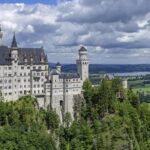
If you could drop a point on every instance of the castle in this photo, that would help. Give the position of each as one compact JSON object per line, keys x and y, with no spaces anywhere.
{"x":25,"y":71}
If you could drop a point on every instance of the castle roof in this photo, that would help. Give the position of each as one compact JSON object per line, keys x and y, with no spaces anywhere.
{"x":5,"y":57}
{"x":23,"y":54}
{"x":82,"y":49}
{"x":35,"y":53}
{"x":58,"y":64}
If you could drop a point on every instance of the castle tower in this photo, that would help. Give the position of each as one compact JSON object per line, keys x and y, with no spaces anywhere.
{"x":14,"y":58}
{"x":58,"y":68}
{"x":1,"y":36}
{"x":125,"y":82}
{"x":83,"y":64}
{"x":14,"y":49}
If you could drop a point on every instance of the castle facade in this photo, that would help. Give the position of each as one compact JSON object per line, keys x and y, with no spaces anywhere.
{"x":25,"y":71}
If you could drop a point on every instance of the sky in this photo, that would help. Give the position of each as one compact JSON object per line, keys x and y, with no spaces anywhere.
{"x":113,"y":31}
{"x":30,"y":1}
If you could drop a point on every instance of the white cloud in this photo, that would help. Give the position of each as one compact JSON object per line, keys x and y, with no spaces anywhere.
{"x":113,"y":31}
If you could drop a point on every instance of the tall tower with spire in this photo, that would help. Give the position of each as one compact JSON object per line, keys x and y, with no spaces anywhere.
{"x":14,"y":49}
{"x":83,"y":64}
{"x":1,"y":36}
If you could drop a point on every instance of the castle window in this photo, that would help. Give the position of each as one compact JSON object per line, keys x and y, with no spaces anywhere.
{"x":28,"y":67}
{"x":20,"y":74}
{"x":9,"y":68}
{"x":39,"y":67}
{"x":22,"y":67}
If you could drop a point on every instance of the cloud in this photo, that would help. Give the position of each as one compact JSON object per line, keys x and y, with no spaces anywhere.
{"x":104,"y":10}
{"x":114,"y":31}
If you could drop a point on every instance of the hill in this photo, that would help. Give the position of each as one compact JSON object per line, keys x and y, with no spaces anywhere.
{"x":107,"y":68}
{"x":102,"y":122}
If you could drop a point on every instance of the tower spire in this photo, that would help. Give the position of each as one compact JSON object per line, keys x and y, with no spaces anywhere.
{"x":14,"y":42}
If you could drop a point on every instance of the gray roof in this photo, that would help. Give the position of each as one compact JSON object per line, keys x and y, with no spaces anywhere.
{"x":82,"y":49}
{"x":58,"y":64}
{"x":69,"y":76}
{"x":5,"y":57}
{"x":35,"y":53}
{"x":24,"y":54}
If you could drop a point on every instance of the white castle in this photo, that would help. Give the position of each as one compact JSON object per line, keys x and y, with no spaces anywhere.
{"x":25,"y":71}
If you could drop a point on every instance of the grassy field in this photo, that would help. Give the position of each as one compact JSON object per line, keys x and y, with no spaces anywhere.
{"x":142,"y":89}
{"x":140,"y":86}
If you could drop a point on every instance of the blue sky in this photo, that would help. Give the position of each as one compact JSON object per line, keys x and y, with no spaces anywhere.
{"x":29,"y":1}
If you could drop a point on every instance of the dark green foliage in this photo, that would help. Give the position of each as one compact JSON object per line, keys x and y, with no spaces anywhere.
{"x":24,"y":127}
{"x":105,"y":123}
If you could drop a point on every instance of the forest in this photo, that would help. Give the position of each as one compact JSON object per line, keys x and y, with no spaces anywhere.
{"x":104,"y":122}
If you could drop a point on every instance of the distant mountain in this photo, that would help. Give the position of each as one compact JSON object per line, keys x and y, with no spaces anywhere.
{"x":106,"y":68}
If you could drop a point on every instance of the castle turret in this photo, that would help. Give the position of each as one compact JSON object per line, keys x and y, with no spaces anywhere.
{"x":58,"y":68}
{"x":125,"y":83}
{"x":14,"y":49}
{"x":1,"y":36}
{"x":83,"y":64}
